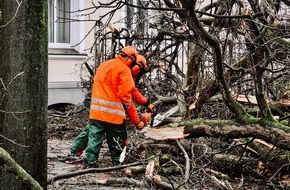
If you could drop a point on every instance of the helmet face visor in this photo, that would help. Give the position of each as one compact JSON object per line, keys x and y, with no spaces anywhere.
{"x":125,"y":55}
{"x":130,"y":52}
{"x":138,"y":68}
{"x":133,"y":57}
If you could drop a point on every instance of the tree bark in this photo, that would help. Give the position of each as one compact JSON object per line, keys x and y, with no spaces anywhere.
{"x":271,"y":133}
{"x":23,"y":88}
{"x":235,"y":165}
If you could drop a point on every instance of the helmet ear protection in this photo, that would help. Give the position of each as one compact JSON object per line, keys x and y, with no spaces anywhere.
{"x":139,"y":66}
{"x":141,"y":61}
{"x":129,"y":52}
{"x":135,"y":70}
{"x":139,"y":74}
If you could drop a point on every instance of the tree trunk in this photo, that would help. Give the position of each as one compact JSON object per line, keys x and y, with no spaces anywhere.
{"x":271,"y":133}
{"x":23,"y":88}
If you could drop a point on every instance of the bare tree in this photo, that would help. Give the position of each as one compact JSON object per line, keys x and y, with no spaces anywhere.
{"x":197,"y":50}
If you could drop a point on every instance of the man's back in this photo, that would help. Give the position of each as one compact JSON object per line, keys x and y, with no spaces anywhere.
{"x":112,"y":88}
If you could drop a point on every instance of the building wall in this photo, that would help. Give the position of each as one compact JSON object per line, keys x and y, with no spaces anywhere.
{"x":64,"y":79}
{"x":65,"y":64}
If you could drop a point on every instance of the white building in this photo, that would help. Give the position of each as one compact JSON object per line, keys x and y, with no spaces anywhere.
{"x":70,"y":44}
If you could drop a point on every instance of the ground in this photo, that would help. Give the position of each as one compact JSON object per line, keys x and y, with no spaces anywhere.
{"x":58,"y":149}
{"x":65,"y":125}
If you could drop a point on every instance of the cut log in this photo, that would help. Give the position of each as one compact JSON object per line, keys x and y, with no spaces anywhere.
{"x":276,"y":135}
{"x":135,"y":169}
{"x":152,"y":166}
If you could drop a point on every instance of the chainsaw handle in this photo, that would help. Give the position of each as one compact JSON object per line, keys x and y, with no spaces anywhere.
{"x":152,"y":117}
{"x":152,"y":121}
{"x":154,"y":111}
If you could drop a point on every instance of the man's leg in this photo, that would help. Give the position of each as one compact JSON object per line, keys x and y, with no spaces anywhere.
{"x":116,"y":137}
{"x":81,"y":141}
{"x":95,"y":140}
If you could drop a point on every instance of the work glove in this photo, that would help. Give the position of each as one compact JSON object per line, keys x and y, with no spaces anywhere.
{"x":146,"y":117}
{"x":140,"y":125}
{"x":151,"y":108}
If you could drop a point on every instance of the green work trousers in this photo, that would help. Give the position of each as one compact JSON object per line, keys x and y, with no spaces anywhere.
{"x":81,"y":141}
{"x":116,"y":135}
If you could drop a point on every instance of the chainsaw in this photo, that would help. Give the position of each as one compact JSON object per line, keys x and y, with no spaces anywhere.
{"x":158,"y":118}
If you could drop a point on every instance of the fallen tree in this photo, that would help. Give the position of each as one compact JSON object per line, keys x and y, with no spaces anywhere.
{"x":275,"y":134}
{"x":266,"y":143}
{"x":185,"y":152}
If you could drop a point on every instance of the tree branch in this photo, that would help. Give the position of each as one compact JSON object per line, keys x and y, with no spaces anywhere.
{"x":8,"y":164}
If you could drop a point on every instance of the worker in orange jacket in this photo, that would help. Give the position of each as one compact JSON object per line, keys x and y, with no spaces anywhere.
{"x":138,"y":97}
{"x":80,"y":143}
{"x":111,"y":99}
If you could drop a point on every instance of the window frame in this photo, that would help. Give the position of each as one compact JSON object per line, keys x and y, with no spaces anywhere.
{"x":76,"y":30}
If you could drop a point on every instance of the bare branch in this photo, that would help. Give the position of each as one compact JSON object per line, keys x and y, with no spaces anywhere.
{"x":15,"y":14}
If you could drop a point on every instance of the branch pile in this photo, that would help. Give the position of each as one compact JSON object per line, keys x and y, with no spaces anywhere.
{"x":213,"y":154}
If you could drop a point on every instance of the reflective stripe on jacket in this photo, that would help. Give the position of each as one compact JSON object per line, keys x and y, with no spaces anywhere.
{"x":112,"y":88}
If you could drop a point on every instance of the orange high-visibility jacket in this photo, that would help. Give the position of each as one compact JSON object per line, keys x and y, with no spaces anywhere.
{"x":111,"y":92}
{"x":138,"y":97}
{"x":132,"y":111}
{"x":133,"y":114}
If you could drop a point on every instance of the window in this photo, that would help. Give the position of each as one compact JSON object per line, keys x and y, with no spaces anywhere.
{"x":58,"y":19}
{"x":62,"y":33}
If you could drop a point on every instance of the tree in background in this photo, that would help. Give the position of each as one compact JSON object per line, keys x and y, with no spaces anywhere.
{"x":200,"y":49}
{"x":23,"y":90}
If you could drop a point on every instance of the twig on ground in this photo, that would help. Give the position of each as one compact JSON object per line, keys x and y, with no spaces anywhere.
{"x":187,"y":163}
{"x":90,"y":170}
